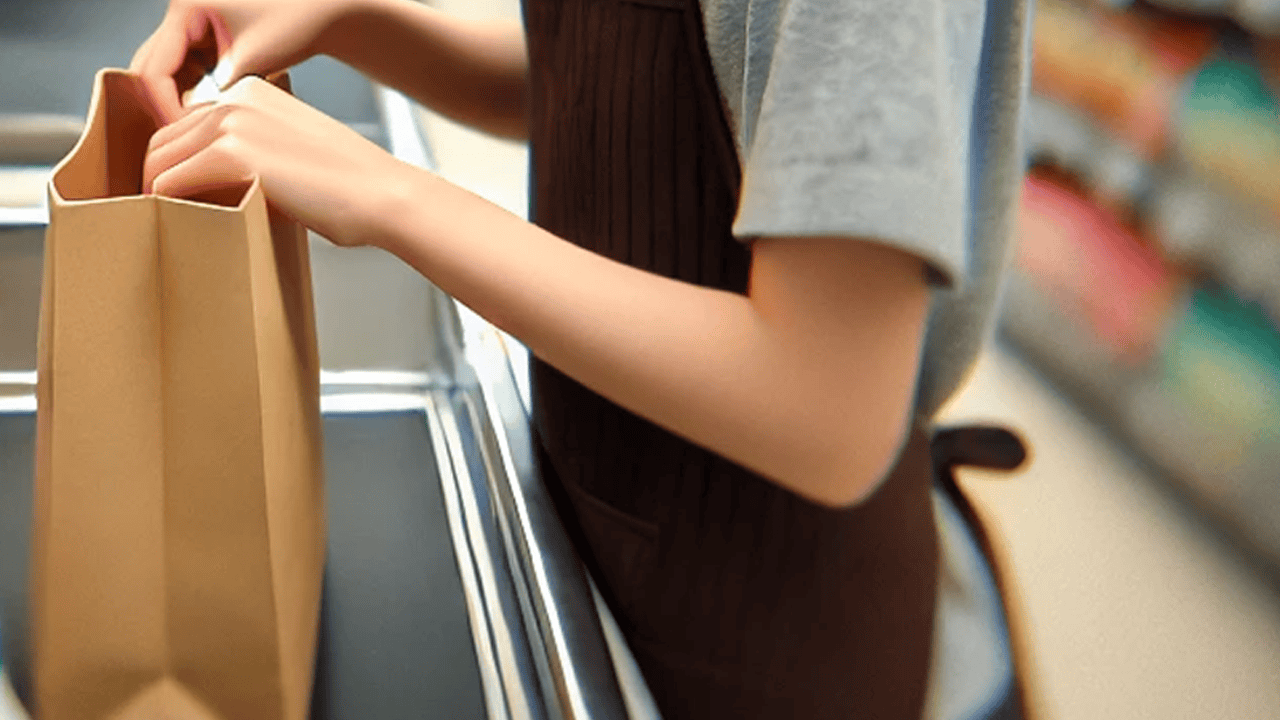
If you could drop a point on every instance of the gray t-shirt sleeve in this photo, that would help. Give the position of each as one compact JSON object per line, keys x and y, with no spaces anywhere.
{"x":852,"y":119}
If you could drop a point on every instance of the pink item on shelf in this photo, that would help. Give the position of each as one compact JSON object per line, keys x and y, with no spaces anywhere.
{"x":1095,"y":269}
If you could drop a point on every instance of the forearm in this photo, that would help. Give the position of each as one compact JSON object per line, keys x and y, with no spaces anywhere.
{"x":472,"y":72}
{"x":708,"y":365}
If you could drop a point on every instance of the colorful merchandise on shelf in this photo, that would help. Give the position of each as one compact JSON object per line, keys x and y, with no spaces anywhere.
{"x":1095,"y":269}
{"x":1229,"y":129}
{"x":1061,"y":137}
{"x":1168,"y":123}
{"x":1123,"y":69}
{"x":1232,"y":240}
{"x":1222,"y":362}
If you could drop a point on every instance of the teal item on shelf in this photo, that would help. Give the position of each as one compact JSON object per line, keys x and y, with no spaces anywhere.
{"x":1232,"y":87}
{"x":1228,"y":106}
{"x":1229,"y":128}
{"x":1222,"y":361}
{"x":1228,"y":319}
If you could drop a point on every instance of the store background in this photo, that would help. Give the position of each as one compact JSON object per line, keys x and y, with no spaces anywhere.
{"x":1139,"y":353}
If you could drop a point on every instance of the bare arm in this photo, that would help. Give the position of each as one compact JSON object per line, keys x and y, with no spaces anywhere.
{"x":808,"y":380}
{"x":472,"y":72}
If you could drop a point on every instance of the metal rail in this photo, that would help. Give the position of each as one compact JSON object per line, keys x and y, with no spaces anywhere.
{"x":555,"y":593}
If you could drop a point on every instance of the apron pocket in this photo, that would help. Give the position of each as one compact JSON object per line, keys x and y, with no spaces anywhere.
{"x":623,"y":549}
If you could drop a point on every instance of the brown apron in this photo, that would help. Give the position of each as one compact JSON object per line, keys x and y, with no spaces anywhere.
{"x":738,"y":598}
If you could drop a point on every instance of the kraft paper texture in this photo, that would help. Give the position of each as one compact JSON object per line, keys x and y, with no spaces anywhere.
{"x":179,"y":503}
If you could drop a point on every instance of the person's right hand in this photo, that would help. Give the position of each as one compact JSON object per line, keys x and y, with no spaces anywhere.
{"x":244,"y":37}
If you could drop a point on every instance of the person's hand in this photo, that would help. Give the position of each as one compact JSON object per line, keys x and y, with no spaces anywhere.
{"x":312,"y":167}
{"x":250,"y":37}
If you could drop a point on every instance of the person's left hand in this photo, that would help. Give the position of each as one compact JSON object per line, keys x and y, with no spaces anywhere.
{"x":313,"y":168}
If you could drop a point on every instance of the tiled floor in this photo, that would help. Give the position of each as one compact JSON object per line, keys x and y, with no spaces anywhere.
{"x":1136,"y":610}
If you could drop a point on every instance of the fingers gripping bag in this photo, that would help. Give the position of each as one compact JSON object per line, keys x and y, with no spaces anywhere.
{"x":178,"y":535}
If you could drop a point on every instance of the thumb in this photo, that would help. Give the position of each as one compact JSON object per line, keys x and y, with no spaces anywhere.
{"x":227,"y":71}
{"x":250,"y":54}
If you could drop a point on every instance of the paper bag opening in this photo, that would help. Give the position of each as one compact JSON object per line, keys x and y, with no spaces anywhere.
{"x":108,"y":161}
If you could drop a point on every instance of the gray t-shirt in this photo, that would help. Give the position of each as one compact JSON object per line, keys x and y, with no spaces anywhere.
{"x":890,"y":120}
{"x":896,"y":121}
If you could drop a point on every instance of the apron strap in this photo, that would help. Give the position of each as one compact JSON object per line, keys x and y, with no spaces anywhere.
{"x":991,"y":447}
{"x":983,"y":446}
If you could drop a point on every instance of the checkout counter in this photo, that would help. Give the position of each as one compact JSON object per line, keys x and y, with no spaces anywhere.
{"x":451,"y":590}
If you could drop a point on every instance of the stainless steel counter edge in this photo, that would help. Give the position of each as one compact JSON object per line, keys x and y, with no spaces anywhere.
{"x":575,"y":668}
{"x":465,"y":553}
{"x":513,"y":650}
{"x":556,"y":596}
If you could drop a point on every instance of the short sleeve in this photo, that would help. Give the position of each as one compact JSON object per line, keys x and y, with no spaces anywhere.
{"x":862,"y":124}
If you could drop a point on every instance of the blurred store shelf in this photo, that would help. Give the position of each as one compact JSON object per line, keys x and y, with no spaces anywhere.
{"x":1210,"y":459}
{"x":1154,"y":143}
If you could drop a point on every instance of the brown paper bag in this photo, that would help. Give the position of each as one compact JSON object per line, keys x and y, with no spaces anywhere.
{"x":179,"y":529}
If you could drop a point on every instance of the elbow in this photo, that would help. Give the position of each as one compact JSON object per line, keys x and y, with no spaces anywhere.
{"x":853,"y":472}
{"x":847,"y":490}
{"x":508,"y":116}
